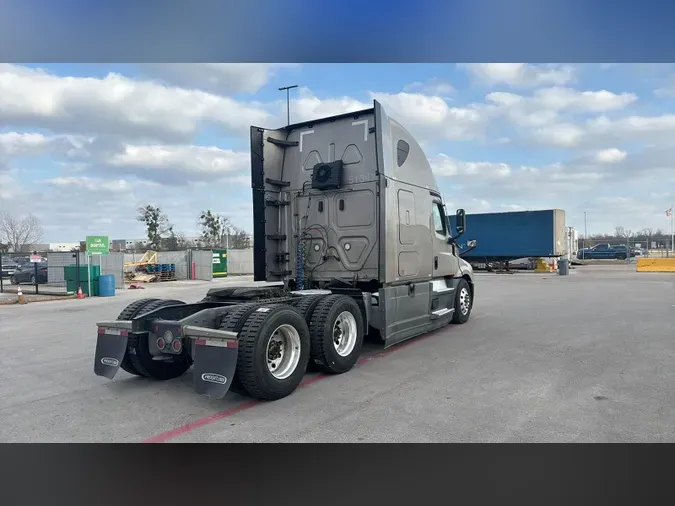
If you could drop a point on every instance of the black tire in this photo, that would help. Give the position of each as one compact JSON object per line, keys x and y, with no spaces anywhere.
{"x":620,"y":256}
{"x":306,"y":305}
{"x":234,"y":321}
{"x":252,"y":369}
{"x":142,"y":360}
{"x":127,"y":314}
{"x":323,"y":353}
{"x":462,"y":313}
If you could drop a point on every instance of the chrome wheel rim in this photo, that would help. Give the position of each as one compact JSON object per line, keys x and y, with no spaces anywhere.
{"x":344,"y":333}
{"x":283,"y":351}
{"x":464,"y":301}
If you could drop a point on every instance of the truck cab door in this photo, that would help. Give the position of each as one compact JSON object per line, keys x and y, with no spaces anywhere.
{"x":444,"y":261}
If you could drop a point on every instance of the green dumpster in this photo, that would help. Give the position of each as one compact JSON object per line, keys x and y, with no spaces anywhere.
{"x":219,"y":263}
{"x":70,"y":275}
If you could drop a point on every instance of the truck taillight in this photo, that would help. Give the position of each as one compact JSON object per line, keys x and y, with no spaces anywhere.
{"x":160,"y":343}
{"x":177,"y":345}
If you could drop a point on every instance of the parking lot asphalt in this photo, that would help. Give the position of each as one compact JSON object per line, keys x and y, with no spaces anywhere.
{"x":545,"y":358}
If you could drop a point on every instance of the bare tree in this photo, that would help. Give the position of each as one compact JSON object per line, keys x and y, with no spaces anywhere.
{"x":18,"y":232}
{"x":240,"y":240}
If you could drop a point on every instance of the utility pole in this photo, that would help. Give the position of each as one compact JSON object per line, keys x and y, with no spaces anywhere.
{"x":288,"y":101}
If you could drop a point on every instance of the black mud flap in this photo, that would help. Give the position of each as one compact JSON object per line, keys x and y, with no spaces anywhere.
{"x":215,"y":361}
{"x":110,"y":349}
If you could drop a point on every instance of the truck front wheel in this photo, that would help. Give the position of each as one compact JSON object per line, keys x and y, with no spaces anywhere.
{"x":337,"y":333}
{"x":463,"y":302}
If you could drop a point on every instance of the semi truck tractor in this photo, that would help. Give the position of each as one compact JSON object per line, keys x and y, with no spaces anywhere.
{"x":350,"y":239}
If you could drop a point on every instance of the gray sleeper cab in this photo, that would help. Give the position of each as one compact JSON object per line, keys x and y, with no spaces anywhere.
{"x":350,"y":239}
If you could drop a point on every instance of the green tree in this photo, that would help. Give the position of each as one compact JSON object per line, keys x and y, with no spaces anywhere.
{"x":214,"y":229}
{"x":156,"y":224}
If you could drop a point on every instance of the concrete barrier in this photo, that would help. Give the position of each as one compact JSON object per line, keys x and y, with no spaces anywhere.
{"x":655,"y":265}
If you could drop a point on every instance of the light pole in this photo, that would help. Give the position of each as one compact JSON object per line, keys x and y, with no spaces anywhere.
{"x":288,"y":101}
{"x":583,"y":242}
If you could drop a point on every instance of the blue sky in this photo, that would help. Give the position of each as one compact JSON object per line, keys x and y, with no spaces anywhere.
{"x":82,"y":146}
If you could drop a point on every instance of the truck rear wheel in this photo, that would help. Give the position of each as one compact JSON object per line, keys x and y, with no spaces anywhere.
{"x":273,"y":351}
{"x":463,"y":302}
{"x":127,"y":314}
{"x":336,"y":329}
{"x":139,"y":355}
{"x":234,"y":321}
{"x":306,"y":305}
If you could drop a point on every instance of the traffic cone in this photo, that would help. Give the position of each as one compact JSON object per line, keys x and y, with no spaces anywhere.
{"x":20,"y":294}
{"x":80,"y":295}
{"x":555,"y":264}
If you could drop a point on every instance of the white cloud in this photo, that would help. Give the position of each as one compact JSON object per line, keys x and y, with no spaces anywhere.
{"x":7,"y":187}
{"x":545,"y":105}
{"x":432,"y":116}
{"x":14,"y":144}
{"x":444,"y":166}
{"x":521,"y":74}
{"x":96,"y":184}
{"x":605,"y":130}
{"x":308,"y":107}
{"x":562,"y":134}
{"x":176,"y":163}
{"x":220,"y":78}
{"x":611,"y":155}
{"x":435,"y":86}
{"x":559,"y":98}
{"x":115,"y":105}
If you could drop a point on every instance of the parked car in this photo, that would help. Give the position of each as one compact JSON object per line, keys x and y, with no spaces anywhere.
{"x":8,"y":268}
{"x":606,"y":251}
{"x":26,"y":274}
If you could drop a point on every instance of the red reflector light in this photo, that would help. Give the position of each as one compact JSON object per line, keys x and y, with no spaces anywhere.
{"x":176,"y":345}
{"x":160,"y":343}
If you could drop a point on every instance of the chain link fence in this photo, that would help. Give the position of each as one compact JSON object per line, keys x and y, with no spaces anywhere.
{"x":35,"y":273}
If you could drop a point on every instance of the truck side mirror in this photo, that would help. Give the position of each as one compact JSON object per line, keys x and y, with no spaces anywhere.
{"x":460,"y":225}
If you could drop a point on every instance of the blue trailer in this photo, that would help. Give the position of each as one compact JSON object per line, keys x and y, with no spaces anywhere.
{"x":503,"y":237}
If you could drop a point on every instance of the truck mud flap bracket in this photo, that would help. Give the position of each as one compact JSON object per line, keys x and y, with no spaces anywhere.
{"x":215,"y":360}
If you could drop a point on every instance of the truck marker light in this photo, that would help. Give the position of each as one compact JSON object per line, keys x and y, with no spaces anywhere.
{"x":113,"y":332}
